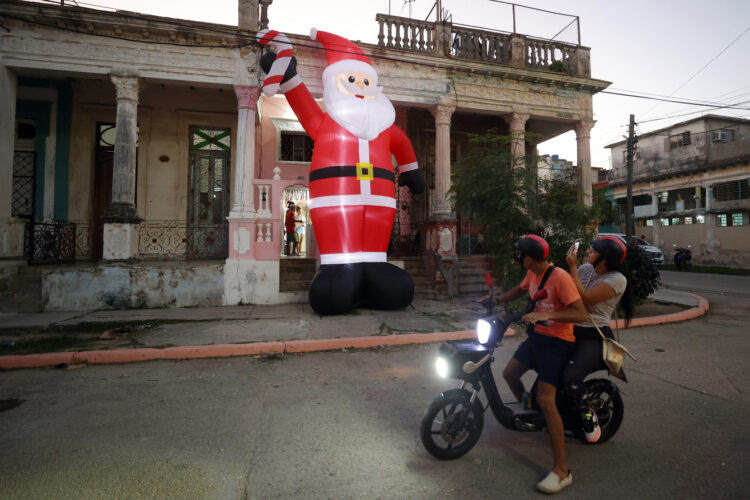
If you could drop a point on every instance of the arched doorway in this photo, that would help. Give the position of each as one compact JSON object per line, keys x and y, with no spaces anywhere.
{"x":295,"y":198}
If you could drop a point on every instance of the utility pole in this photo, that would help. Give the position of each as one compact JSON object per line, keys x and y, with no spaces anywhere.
{"x":632,"y":140}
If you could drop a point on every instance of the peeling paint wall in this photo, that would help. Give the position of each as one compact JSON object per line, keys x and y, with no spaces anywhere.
{"x":122,"y":286}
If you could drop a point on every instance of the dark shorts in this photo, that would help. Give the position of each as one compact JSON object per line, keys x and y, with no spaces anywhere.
{"x":587,"y":356}
{"x":548,"y":356}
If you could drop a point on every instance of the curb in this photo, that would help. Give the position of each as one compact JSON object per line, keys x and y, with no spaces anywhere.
{"x":292,"y":346}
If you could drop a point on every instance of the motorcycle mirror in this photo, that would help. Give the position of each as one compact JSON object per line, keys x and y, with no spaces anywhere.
{"x":488,"y":279}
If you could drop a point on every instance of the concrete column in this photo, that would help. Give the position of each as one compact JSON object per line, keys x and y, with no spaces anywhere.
{"x":441,"y":207}
{"x":243,"y":205}
{"x":241,"y":265}
{"x":120,"y":232}
{"x":517,"y":124}
{"x":11,"y":231}
{"x":122,"y":208}
{"x":655,"y":237}
{"x":583,"y":138}
{"x":710,"y":221}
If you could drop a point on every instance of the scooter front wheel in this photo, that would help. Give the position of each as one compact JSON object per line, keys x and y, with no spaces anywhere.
{"x":452,"y":426}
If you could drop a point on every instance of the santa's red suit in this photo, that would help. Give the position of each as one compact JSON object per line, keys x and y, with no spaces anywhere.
{"x":352,"y":184}
{"x":352,"y":180}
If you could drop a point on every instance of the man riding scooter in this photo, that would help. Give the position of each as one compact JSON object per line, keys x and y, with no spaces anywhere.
{"x":550,"y":342}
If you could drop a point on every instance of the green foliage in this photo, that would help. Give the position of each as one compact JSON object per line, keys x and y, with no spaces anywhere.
{"x":644,"y":274}
{"x":605,"y":211}
{"x":510,"y":202}
{"x":559,"y":67}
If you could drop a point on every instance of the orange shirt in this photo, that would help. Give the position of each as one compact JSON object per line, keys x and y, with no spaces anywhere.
{"x":561,"y":292}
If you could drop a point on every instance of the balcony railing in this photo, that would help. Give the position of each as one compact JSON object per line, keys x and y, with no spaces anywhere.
{"x":164,"y":240}
{"x":495,"y":47}
{"x":50,"y":242}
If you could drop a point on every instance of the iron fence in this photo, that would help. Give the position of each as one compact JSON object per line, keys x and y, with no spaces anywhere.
{"x":50,"y":242}
{"x":163,"y":240}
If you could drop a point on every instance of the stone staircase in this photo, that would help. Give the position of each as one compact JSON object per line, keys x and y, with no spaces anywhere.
{"x":296,"y":274}
{"x":471,"y":276}
{"x":424,"y":288}
{"x":21,"y":289}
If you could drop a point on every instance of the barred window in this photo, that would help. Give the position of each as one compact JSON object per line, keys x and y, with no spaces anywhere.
{"x":296,"y":147}
{"x":735,"y":190}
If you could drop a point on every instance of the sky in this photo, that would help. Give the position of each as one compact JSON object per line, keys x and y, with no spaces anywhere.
{"x":686,"y":49}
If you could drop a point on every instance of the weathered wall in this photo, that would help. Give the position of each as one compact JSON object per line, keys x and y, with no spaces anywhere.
{"x":132,"y":287}
{"x":165,"y":115}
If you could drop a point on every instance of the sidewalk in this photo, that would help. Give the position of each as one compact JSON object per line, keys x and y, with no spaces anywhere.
{"x":182,"y":333}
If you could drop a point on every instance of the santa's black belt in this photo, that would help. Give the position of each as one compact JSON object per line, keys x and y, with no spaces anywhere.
{"x":362,"y":171}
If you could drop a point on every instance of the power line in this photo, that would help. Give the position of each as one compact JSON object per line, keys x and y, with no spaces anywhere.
{"x":703,"y":67}
{"x":731,"y":106}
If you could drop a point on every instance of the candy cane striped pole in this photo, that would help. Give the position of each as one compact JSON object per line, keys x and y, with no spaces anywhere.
{"x":280,"y":64}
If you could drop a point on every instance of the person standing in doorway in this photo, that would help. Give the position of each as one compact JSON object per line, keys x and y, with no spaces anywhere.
{"x":300,"y":229}
{"x":290,"y":229}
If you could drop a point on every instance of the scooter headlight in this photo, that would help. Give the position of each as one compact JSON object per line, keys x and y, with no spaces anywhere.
{"x":483,"y":331}
{"x":441,"y":366}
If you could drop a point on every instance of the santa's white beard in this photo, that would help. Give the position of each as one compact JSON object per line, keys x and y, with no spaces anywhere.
{"x":365,"y":118}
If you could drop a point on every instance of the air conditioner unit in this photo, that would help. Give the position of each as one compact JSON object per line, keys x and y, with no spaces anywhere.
{"x":719,"y":136}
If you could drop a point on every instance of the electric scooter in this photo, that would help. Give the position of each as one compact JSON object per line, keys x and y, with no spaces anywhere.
{"x":454,"y":421}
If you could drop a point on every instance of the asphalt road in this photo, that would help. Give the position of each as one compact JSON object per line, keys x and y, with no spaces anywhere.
{"x":345,"y":424}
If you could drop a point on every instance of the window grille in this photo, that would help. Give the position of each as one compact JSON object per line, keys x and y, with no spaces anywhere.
{"x":296,"y":147}
{"x":23,"y":184}
{"x":734,"y":190}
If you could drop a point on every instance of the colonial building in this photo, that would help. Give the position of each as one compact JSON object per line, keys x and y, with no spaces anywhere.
{"x":142,"y":168}
{"x":691,"y":186}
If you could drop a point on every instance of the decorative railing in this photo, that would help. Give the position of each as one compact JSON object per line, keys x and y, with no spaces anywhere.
{"x":405,"y":34}
{"x":542,"y":54}
{"x":480,"y":45}
{"x":494,"y":47}
{"x":87,"y":237}
{"x":50,"y":242}
{"x":162,"y":240}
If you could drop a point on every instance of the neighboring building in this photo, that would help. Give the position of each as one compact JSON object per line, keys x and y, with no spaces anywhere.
{"x":691,"y":186}
{"x":553,"y":167}
{"x":140,"y":164}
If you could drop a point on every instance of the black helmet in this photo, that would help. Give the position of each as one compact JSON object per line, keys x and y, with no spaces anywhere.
{"x":532,"y":245}
{"x":611,"y":249}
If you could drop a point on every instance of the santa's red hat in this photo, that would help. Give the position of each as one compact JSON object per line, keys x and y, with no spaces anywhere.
{"x":343,"y":55}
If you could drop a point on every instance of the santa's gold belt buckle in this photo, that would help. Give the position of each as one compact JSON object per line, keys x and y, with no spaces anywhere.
{"x":364,"y":171}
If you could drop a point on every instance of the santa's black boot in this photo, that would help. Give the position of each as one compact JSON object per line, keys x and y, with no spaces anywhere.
{"x":336,"y":288}
{"x":387,"y":286}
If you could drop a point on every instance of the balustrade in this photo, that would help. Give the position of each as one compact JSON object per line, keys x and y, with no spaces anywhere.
{"x":483,"y":45}
{"x":162,"y":240}
{"x":405,"y":34}
{"x":50,"y":242}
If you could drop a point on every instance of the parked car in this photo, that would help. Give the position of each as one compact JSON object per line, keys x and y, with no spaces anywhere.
{"x":653,"y":251}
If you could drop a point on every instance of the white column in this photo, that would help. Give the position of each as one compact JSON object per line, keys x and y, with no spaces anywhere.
{"x":120,"y":232}
{"x":517,"y":124}
{"x":441,"y":207}
{"x":243,"y":205}
{"x":583,"y":138}
{"x":710,"y":221}
{"x":655,"y":236}
{"x":11,"y":231}
{"x":122,"y":208}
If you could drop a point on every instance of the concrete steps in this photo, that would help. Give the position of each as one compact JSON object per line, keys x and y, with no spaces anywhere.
{"x":471,"y":276}
{"x":296,"y":274}
{"x":423,"y":286}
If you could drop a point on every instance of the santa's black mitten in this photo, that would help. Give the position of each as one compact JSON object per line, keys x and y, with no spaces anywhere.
{"x":413,"y":180}
{"x":267,"y":59}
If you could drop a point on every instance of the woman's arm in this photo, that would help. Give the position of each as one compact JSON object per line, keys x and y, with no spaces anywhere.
{"x":575,"y":313}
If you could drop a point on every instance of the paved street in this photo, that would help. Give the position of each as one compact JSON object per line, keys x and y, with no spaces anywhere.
{"x":345,"y":424}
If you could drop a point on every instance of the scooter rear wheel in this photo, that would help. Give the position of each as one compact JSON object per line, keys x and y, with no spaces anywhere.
{"x":605,"y":399}
{"x":452,"y":426}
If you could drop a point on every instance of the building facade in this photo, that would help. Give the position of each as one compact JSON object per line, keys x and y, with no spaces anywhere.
{"x":691,"y":186}
{"x":142,"y":167}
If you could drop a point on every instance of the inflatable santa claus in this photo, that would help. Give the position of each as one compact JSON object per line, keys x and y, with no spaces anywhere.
{"x":352,"y":180}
